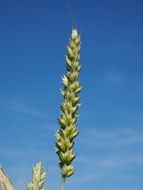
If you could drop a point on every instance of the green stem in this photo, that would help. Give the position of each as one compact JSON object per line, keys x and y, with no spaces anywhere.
{"x":63,"y":183}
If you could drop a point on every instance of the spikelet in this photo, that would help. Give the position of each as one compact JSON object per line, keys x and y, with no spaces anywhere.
{"x":69,"y":106}
{"x":38,"y":178}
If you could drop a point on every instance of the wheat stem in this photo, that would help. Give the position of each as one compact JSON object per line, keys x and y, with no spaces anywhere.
{"x":63,"y":183}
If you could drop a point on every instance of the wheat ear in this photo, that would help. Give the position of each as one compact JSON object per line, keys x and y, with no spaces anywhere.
{"x":38,"y":178}
{"x":69,"y":106}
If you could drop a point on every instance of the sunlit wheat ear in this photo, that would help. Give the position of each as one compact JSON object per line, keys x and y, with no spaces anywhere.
{"x":69,"y":106}
{"x":38,"y":178}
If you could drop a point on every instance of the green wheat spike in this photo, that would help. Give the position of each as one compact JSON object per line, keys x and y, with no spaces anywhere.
{"x":38,"y":178}
{"x":69,"y":106}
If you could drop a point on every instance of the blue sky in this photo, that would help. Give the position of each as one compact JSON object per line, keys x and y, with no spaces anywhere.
{"x":33,"y":40}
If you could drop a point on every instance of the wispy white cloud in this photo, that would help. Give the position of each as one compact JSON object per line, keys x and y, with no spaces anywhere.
{"x":20,"y":153}
{"x":107,"y":166}
{"x":114,"y":77}
{"x":18,"y":106}
{"x":120,"y":137}
{"x":112,"y":161}
{"x":112,"y":153}
{"x":86,"y":177}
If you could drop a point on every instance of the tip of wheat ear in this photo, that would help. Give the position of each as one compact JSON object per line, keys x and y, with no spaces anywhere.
{"x":38,"y":178}
{"x":74,"y":34}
